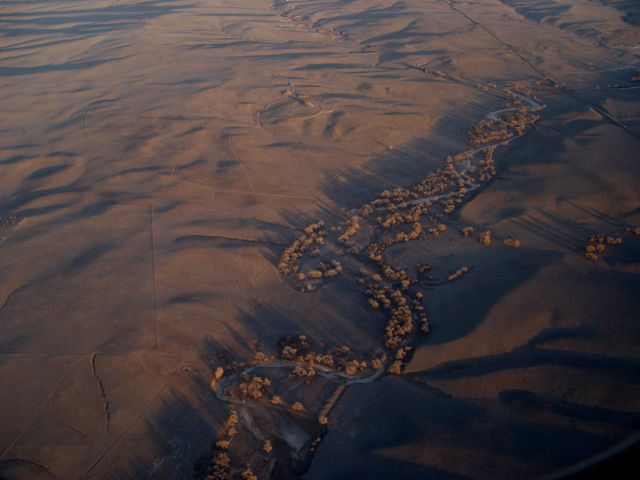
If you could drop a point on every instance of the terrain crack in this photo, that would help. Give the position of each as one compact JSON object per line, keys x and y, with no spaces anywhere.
{"x":103,"y":395}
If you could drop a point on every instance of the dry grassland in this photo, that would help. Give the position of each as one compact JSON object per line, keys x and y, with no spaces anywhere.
{"x":317,"y":239}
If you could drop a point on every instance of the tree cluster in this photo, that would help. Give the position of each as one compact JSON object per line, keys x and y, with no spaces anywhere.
{"x":300,"y":371}
{"x":457,"y":274}
{"x":352,"y":229}
{"x":253,"y":388}
{"x":221,"y":462}
{"x":313,"y":234}
{"x":500,"y":130}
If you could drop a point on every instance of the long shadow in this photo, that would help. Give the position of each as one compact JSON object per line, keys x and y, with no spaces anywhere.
{"x":455,"y":424}
{"x":30,"y":196}
{"x":62,"y":67}
{"x":599,"y":215}
{"x":537,"y":11}
{"x":524,"y":401}
{"x":468,"y":308}
{"x":90,"y":21}
{"x":15,"y":159}
{"x":556,"y":229}
{"x":177,"y":434}
{"x":272,"y":238}
{"x":400,"y":167}
{"x":526,"y":356}
{"x":630,"y":8}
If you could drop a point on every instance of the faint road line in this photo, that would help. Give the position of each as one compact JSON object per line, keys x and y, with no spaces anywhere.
{"x":561,"y":86}
{"x":244,"y":168}
{"x":41,"y":407}
{"x":93,"y":465}
{"x":332,"y":401}
{"x":153,"y":277}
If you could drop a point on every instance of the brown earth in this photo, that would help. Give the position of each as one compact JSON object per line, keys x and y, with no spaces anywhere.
{"x":158,"y":157}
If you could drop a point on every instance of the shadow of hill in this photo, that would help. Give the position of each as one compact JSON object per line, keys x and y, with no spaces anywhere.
{"x":481,"y":290}
{"x":526,"y":356}
{"x":406,"y":164}
{"x":88,"y":21}
{"x":177,"y":432}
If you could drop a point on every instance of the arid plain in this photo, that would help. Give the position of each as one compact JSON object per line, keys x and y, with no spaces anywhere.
{"x":318,"y":239}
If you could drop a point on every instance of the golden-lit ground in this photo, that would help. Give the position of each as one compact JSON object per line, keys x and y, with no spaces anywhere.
{"x":158,"y":160}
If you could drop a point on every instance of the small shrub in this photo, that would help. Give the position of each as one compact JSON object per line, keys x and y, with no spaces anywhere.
{"x":485,"y":238}
{"x":466,"y":231}
{"x":248,"y":474}
{"x":395,"y":368}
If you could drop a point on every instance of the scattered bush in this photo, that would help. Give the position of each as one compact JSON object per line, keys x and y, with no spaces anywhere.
{"x":299,"y":371}
{"x":220,"y":468}
{"x":254,"y":388}
{"x":248,"y":474}
{"x":289,"y":352}
{"x":395,"y":368}
{"x":458,"y":273}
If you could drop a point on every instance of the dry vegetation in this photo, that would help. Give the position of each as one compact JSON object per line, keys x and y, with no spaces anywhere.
{"x":599,"y":242}
{"x":402,"y":215}
{"x":221,"y":464}
{"x":155,"y":194}
{"x":485,"y":238}
{"x":458,"y":274}
{"x":505,"y":127}
{"x":512,"y":242}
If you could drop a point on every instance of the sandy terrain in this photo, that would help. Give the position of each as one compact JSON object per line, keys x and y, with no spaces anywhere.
{"x":163,"y":163}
